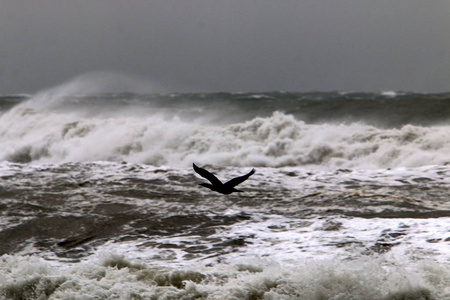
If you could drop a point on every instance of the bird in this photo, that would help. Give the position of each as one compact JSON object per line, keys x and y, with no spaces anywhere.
{"x":217,"y":185}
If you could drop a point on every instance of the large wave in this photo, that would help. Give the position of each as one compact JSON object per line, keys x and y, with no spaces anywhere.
{"x":90,"y":118}
{"x":31,"y":135}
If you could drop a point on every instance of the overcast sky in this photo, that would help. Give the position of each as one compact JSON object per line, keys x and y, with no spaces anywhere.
{"x":229,"y":45}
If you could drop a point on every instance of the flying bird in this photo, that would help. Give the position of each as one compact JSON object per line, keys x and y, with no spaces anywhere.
{"x":217,"y":185}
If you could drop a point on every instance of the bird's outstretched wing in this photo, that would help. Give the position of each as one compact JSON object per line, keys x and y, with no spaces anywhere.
{"x":202,"y":172}
{"x":235,"y":181}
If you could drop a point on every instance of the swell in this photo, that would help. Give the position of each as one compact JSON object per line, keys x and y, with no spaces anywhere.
{"x":384,"y":110}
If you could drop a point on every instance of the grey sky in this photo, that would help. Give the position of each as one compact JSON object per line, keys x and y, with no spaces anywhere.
{"x":229,"y":45}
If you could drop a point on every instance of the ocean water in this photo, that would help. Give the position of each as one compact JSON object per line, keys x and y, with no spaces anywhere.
{"x":98,"y":198}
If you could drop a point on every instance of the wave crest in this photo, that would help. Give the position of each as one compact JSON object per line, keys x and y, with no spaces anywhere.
{"x":275,"y":141}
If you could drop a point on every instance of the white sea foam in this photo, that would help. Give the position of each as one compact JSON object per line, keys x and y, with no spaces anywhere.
{"x":32,"y":135}
{"x":389,"y":93}
{"x":116,"y":277}
{"x":326,"y":258}
{"x":293,"y":241}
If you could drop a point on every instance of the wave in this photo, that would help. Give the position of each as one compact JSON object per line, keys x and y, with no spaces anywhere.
{"x":115,"y":277}
{"x":102,"y":117}
{"x":106,"y":93}
{"x":44,"y":136}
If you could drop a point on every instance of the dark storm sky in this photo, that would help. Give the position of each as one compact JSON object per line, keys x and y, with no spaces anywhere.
{"x":229,"y":45}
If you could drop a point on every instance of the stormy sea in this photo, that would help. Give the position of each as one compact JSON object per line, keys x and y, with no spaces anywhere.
{"x":350,"y":199}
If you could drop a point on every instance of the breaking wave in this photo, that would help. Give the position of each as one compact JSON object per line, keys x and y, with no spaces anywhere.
{"x":278,"y":140}
{"x":99,"y":117}
{"x":117,"y":277}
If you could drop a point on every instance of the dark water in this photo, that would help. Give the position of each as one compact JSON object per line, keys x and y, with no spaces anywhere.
{"x":68,"y":209}
{"x":388,"y":109}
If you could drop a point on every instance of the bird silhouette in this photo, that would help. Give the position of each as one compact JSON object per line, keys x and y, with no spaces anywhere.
{"x":217,"y":185}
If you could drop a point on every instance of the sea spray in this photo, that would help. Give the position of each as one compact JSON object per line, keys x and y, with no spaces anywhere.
{"x":90,"y":84}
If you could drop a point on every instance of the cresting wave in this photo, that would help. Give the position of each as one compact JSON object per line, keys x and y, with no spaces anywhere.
{"x":99,"y":117}
{"x":45,"y":136}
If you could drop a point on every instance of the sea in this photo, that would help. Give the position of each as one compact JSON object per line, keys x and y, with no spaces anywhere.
{"x":99,"y":200}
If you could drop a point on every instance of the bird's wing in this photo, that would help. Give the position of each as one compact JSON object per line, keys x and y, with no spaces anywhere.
{"x":202,"y":172}
{"x":235,"y":181}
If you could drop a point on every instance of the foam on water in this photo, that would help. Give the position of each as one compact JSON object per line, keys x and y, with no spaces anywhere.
{"x":294,"y":241}
{"x":276,"y":141}
{"x":115,"y":277}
